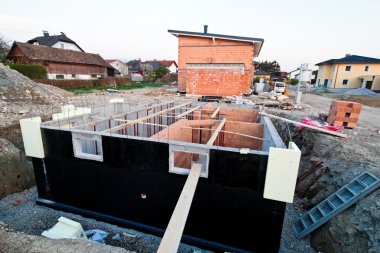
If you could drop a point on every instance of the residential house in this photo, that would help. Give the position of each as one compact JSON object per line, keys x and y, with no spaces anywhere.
{"x":60,"y":63}
{"x":148,"y":67}
{"x":121,"y":67}
{"x":56,"y":41}
{"x":215,"y":64}
{"x":170,"y":65}
{"x":134,"y":66}
{"x":294,"y":74}
{"x":262,"y":74}
{"x":351,"y":71}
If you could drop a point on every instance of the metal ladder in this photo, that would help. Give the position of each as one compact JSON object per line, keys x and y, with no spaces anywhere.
{"x":336,"y":203}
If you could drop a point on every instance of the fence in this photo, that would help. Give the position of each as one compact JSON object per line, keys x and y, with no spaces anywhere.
{"x":76,"y":83}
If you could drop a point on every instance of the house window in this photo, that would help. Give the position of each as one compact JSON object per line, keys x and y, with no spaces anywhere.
{"x":59,"y":77}
{"x":348,"y":68}
{"x":366,"y":68}
{"x":345,"y":82}
{"x":319,"y":82}
{"x":326,"y":82}
{"x":94,"y":76}
{"x":320,"y":69}
{"x":73,"y":75}
{"x":87,"y":146}
{"x":333,"y":69}
{"x":62,"y":46}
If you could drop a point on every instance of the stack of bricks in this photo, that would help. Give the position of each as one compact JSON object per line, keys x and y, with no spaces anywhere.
{"x":344,"y":113}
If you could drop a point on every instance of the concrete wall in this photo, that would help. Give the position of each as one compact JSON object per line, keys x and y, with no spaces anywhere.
{"x":205,"y":50}
{"x":336,"y":73}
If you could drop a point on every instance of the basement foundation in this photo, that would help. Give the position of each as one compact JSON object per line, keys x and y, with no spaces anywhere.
{"x":127,"y":164}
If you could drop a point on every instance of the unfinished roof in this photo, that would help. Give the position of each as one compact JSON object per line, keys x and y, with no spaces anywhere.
{"x":257,"y":42}
{"x":44,"y":53}
{"x":351,"y":59}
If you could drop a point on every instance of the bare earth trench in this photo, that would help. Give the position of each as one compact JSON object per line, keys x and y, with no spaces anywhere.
{"x":352,"y":231}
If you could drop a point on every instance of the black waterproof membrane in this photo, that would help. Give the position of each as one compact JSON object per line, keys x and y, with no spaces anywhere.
{"x":132,"y":187}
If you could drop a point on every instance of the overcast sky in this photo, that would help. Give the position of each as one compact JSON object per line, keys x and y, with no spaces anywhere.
{"x":294,"y":31}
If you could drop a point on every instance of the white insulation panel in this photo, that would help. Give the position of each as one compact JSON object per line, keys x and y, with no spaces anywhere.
{"x":31,"y":136}
{"x":282,"y":171}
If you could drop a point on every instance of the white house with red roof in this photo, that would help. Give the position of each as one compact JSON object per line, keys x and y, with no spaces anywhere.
{"x":170,"y":65}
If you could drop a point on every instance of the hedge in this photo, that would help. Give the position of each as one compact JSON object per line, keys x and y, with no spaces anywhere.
{"x":30,"y":70}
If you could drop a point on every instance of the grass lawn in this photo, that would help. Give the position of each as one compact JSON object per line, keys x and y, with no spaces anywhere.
{"x":90,"y":89}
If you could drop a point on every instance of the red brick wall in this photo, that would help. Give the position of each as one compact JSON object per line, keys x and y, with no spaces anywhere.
{"x":216,"y":82}
{"x":204,"y":50}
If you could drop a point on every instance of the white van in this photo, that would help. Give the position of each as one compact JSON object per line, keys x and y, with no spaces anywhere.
{"x":279,"y":87}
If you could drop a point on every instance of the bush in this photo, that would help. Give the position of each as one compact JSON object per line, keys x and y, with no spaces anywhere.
{"x":30,"y":70}
{"x":292,"y":81}
{"x":161,"y":71}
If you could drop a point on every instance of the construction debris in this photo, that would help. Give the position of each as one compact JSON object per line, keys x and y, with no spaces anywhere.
{"x":65,"y":228}
{"x":305,"y":125}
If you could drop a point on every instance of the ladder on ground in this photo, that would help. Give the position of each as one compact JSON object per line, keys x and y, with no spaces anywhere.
{"x":359,"y":187}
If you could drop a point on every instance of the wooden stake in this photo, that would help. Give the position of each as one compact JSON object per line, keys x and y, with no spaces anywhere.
{"x":215,"y":113}
{"x":305,"y":125}
{"x":215,"y":134}
{"x":173,"y":234}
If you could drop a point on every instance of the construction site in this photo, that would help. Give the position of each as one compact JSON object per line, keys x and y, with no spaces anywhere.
{"x":203,"y":158}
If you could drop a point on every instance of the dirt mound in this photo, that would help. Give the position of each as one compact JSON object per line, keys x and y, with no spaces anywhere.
{"x":355,"y":229}
{"x":169,"y":78}
{"x":21,"y":97}
{"x":16,"y":172}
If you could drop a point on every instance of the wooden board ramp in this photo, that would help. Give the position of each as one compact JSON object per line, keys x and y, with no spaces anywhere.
{"x":173,"y":234}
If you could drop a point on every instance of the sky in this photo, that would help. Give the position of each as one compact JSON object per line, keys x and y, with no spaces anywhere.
{"x":294,"y":31}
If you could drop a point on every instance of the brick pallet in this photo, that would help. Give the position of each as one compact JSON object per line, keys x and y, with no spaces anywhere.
{"x":344,"y":113}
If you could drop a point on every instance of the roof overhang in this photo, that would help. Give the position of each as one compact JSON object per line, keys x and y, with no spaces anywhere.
{"x":257,"y":42}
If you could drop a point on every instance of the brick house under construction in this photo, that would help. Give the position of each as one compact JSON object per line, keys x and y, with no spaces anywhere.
{"x":215,"y":64}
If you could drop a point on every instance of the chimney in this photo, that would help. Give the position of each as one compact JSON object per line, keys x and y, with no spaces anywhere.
{"x":62,"y":33}
{"x":205,"y":28}
{"x":347,"y":55}
{"x":46,"y":33}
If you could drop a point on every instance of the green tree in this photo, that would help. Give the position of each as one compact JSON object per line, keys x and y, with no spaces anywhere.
{"x":4,"y":48}
{"x":161,"y":71}
{"x":271,"y":67}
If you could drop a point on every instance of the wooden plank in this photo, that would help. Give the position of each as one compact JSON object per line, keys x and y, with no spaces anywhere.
{"x":215,"y":113}
{"x":132,"y":122}
{"x":173,"y":234}
{"x":217,"y":130}
{"x":187,"y":112}
{"x":93,"y":123}
{"x":304,"y":125}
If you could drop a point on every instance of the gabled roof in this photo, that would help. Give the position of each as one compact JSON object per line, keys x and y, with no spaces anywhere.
{"x":351,"y":59}
{"x":155,"y":64}
{"x":50,"y":40}
{"x":113,"y":60}
{"x":168,"y":63}
{"x":258,"y":43}
{"x":50,"y":54}
{"x":134,"y":64}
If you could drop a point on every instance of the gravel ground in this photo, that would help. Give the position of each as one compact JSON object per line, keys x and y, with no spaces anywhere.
{"x":21,"y":213}
{"x":39,"y":218}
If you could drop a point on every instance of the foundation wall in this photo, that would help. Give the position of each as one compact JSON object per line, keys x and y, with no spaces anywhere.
{"x":228,"y":212}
